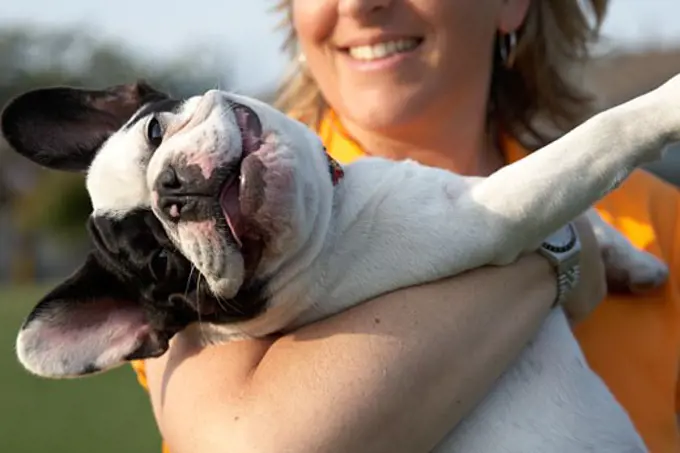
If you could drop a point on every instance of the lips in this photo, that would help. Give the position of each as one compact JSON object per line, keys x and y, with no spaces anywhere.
{"x":251,"y":139}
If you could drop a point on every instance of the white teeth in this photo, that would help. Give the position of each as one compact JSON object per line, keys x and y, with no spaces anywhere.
{"x":383,"y":49}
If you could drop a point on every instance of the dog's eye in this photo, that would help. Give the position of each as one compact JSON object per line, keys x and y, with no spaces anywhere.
{"x":159,"y":264}
{"x":154,"y":132}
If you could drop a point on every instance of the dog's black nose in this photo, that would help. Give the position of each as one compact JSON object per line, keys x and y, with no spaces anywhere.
{"x":184,"y":194}
{"x":170,"y":188}
{"x":168,"y":180}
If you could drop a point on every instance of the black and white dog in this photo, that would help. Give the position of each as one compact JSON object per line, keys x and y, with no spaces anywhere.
{"x":218,"y":213}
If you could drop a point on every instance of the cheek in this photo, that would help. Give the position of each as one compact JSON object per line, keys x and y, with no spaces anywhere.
{"x":464,"y":30}
{"x":313,"y":21}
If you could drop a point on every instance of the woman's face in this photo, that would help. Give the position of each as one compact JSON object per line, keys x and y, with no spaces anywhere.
{"x":384,"y":63}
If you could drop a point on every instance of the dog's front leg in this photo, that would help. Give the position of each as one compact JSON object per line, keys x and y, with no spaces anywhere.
{"x":404,"y":224}
{"x":533,"y":197}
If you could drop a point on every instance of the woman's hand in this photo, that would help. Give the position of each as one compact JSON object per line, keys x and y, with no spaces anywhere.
{"x":592,"y":286}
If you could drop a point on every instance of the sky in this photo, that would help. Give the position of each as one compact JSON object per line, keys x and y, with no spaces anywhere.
{"x":243,"y":29}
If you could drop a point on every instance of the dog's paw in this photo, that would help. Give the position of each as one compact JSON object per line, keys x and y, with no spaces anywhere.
{"x":633,"y":271}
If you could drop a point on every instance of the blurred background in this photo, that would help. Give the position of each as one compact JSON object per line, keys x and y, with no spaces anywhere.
{"x":201,"y":44}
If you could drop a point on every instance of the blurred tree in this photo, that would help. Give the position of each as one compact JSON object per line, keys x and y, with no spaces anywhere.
{"x":41,"y":201}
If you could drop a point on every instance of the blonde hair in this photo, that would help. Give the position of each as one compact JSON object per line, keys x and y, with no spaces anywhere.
{"x":533,"y":100}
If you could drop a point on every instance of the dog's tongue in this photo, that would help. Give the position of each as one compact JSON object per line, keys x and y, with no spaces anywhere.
{"x":229,"y":200}
{"x":243,"y":197}
{"x":251,"y":139}
{"x":251,"y":132}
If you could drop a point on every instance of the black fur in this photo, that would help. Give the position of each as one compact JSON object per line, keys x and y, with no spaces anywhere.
{"x":62,"y":127}
{"x":137,"y":251}
{"x":156,"y":105}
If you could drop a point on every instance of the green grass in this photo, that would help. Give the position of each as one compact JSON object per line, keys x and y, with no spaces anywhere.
{"x":101,"y":414}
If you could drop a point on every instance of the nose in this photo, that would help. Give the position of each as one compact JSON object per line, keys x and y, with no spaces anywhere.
{"x":359,"y":8}
{"x":171,"y":190}
{"x":168,"y":180}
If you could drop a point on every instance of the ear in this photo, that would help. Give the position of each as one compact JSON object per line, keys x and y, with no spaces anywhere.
{"x":62,"y":128}
{"x":86,"y":325}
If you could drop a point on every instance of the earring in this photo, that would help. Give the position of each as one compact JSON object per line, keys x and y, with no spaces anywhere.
{"x":302,"y":59}
{"x":507,"y":44}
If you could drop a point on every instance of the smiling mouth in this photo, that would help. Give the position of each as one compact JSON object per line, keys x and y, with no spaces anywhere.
{"x":382,"y":50}
{"x":250,"y":128}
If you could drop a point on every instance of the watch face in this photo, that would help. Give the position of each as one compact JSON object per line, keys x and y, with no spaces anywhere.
{"x":562,"y":238}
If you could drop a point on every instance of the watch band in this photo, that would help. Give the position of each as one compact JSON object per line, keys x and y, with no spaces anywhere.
{"x":562,"y":249}
{"x":566,"y":281}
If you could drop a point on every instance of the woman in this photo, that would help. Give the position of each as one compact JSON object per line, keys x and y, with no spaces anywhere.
{"x":457,"y":85}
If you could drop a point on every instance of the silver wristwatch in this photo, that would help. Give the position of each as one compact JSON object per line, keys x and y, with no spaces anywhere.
{"x":563,"y":249}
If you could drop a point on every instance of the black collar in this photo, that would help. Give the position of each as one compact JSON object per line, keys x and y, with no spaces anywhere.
{"x":334,"y":169}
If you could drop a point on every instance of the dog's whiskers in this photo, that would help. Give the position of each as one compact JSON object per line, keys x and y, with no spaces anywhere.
{"x":220,"y":301}
{"x":191,"y":273}
{"x":226,"y":305}
{"x":198,"y":297}
{"x":198,"y":309}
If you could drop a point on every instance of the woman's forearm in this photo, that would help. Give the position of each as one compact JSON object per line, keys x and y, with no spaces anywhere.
{"x":393,"y":374}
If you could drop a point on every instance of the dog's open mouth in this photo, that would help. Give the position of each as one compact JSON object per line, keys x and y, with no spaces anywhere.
{"x":251,"y":140}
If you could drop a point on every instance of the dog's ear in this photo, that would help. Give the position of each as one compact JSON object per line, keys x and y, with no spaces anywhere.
{"x":86,"y":325}
{"x":62,"y":127}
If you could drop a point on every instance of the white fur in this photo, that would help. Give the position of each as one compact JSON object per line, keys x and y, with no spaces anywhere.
{"x":119,"y":178}
{"x":389,"y":225}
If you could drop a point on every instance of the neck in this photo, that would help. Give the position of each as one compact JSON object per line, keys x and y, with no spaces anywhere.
{"x":458,"y":143}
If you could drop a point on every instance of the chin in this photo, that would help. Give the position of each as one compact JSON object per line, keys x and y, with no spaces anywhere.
{"x":382,"y":110}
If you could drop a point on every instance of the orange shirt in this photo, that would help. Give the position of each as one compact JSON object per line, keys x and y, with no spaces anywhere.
{"x":633,"y":343}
